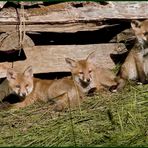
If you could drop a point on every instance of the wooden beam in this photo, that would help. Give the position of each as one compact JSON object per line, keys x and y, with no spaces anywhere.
{"x":77,"y":11}
{"x":72,"y":16}
{"x":46,"y":59}
{"x":71,"y":27}
{"x":11,"y":41}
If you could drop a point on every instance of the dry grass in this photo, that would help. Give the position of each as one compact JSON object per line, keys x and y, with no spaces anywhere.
{"x":118,"y":119}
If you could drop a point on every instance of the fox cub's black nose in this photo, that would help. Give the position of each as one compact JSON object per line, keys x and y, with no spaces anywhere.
{"x":88,"y":80}
{"x":23,"y":94}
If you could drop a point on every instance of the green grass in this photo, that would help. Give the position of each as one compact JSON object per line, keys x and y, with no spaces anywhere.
{"x":118,"y":119}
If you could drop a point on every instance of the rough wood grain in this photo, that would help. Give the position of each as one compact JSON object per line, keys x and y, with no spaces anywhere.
{"x":71,"y":15}
{"x":71,"y":27}
{"x":10,"y":41}
{"x":52,"y":58}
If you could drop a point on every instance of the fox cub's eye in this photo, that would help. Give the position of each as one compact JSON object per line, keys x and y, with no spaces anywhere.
{"x":17,"y":86}
{"x":145,"y":33}
{"x":81,"y":72}
{"x":90,"y":71}
{"x":26,"y":85}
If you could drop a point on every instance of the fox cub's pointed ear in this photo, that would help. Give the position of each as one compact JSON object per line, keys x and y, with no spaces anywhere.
{"x":91,"y":57}
{"x":28,"y":72}
{"x":135,"y":24}
{"x":11,"y":74}
{"x":71,"y":62}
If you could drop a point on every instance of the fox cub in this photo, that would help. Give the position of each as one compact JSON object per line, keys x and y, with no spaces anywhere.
{"x":16,"y":83}
{"x":135,"y":66}
{"x":62,"y":93}
{"x":87,"y":74}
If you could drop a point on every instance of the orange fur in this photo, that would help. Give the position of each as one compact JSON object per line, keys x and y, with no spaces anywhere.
{"x":86,"y":73}
{"x":135,"y":66}
{"x":61,"y":93}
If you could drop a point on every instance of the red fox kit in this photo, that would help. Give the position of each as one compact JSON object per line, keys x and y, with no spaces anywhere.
{"x":16,"y":83}
{"x":141,"y":32}
{"x":86,"y":74}
{"x":135,"y":66}
{"x":62,"y":93}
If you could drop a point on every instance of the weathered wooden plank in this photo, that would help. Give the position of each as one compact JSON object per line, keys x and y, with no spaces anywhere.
{"x":78,"y":11}
{"x":71,"y":16}
{"x":2,"y":3}
{"x":52,"y":58}
{"x":12,"y":41}
{"x":73,"y":27}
